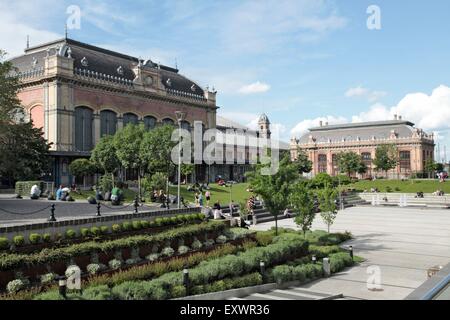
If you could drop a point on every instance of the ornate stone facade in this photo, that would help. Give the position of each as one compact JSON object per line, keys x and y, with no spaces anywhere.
{"x":77,"y":93}
{"x":324,"y":143}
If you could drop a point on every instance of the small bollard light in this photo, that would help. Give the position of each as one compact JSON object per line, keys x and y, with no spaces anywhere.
{"x":136,"y":205}
{"x":62,"y":283}
{"x":52,"y":215}
{"x":262,"y":270}
{"x":326,"y":267}
{"x":186,"y":281}
{"x":350,"y":249}
{"x":98,"y":209}
{"x":314,"y":259}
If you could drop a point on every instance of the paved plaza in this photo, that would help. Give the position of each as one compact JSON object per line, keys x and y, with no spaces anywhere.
{"x":403,"y":242}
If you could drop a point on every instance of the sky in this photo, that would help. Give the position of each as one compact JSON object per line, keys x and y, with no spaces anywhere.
{"x":298,"y":61}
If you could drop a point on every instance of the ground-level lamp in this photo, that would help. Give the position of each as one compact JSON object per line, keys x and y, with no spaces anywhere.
{"x":262,"y":270}
{"x":180,"y":117}
{"x":350,"y":250}
{"x":186,"y":281}
{"x":314,"y":259}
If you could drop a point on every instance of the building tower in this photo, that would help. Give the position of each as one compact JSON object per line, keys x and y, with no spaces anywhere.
{"x":264,"y":126}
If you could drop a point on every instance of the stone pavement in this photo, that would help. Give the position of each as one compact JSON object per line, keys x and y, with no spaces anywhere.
{"x":402,"y":242}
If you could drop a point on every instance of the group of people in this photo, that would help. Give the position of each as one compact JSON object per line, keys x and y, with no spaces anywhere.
{"x":442,"y":176}
{"x":439,"y":193}
{"x":62,"y":193}
{"x":200,"y":200}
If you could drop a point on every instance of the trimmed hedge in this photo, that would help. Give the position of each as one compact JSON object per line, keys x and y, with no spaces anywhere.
{"x":12,"y":261}
{"x":24,"y":187}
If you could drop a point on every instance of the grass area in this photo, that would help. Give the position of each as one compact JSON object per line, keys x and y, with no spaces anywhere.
{"x":238,"y":193}
{"x":409,"y":186}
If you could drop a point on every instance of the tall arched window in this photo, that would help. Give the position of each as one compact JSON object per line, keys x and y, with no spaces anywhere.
{"x":108,"y":122}
{"x":185,"y":125}
{"x":83,"y":129}
{"x":168,"y":121}
{"x":149,"y":122}
{"x":322,"y":163}
{"x":130,"y":118}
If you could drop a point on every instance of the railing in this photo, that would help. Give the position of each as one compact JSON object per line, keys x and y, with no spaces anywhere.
{"x":32,"y":73}
{"x":94,"y":75}
{"x":186,"y":95}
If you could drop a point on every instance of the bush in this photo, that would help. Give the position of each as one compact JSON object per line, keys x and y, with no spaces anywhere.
{"x":145,"y":224}
{"x":104,"y":230}
{"x":208,"y":243}
{"x":47,"y":237}
{"x":286,"y":273}
{"x":166,"y":221}
{"x":167,"y":252}
{"x":4,"y":243}
{"x":221,"y":239}
{"x":127,"y":226}
{"x":95,"y":231}
{"x":19,"y":241}
{"x":133,"y":261}
{"x":197,"y":245}
{"x":23,"y":187}
{"x":264,"y":238}
{"x":16,"y":285}
{"x":137,"y":225}
{"x":323,"y":251}
{"x":48,"y":278}
{"x":95,"y":268}
{"x":34,"y":238}
{"x":388,"y":189}
{"x":152,"y":257}
{"x":178,"y":292}
{"x":333,"y":238}
{"x":133,"y":290}
{"x":84,"y":232}
{"x":339,"y":261}
{"x":115,"y":264}
{"x":183,"y":249}
{"x":98,"y":293}
{"x":116,"y":228}
{"x":159,"y":222}
{"x":70,"y":234}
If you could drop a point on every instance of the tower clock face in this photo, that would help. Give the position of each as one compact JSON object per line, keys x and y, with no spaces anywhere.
{"x":149,"y":81}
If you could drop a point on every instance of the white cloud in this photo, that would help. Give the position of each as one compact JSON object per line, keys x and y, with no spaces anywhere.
{"x":377,"y":112}
{"x":370,"y":95}
{"x":256,"y":87}
{"x":303,"y":126}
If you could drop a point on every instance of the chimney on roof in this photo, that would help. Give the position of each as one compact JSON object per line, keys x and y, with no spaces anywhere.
{"x":399,"y":117}
{"x":395,"y":117}
{"x":321,"y":123}
{"x":326,"y":123}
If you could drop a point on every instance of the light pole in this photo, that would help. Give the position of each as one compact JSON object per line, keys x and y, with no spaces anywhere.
{"x":180,"y":117}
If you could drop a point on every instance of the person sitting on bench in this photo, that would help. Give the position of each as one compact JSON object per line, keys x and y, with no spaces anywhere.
{"x":35,"y":192}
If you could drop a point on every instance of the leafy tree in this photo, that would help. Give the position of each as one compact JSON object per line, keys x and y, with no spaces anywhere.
{"x":9,"y":88}
{"x":302,"y":201}
{"x":127,"y":143}
{"x":321,"y":180}
{"x":350,"y":162}
{"x":104,"y":156}
{"x":327,"y":205}
{"x":431,"y":166}
{"x":24,"y":153}
{"x":187,"y":169}
{"x":303,"y":164}
{"x":274,"y":189}
{"x":386,"y":157}
{"x":156,"y":151}
{"x":82,"y":168}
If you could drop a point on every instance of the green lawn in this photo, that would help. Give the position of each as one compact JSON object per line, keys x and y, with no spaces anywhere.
{"x":238,"y":193}
{"x":410,"y":186}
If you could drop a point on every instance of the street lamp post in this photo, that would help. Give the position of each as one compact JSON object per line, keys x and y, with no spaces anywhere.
{"x":180,"y":117}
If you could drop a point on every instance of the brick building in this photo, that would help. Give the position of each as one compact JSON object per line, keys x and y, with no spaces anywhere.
{"x":322,"y":145}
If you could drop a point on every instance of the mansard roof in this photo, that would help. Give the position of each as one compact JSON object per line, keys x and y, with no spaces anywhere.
{"x":378,"y":130}
{"x":104,"y":61}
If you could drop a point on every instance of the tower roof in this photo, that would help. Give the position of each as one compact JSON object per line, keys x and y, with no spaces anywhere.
{"x":263,"y":119}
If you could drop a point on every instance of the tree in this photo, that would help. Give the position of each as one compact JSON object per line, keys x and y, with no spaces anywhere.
{"x":82,"y":168}
{"x":430,"y":167}
{"x":274,"y":189}
{"x":327,"y":205}
{"x":127,"y":143}
{"x":386,"y":157}
{"x":104,"y":156}
{"x":9,"y":88}
{"x":187,"y":169}
{"x":24,"y":153}
{"x":303,"y":164}
{"x":302,"y":201}
{"x":321,"y":180}
{"x":156,"y":151}
{"x":350,"y":162}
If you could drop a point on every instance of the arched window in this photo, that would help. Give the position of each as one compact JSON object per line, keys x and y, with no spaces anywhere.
{"x":37,"y":116}
{"x":185,"y":125}
{"x":322,"y":163}
{"x":83,"y":129}
{"x":168,"y":121}
{"x":130,"y":118}
{"x":149,"y":122}
{"x":108,"y":122}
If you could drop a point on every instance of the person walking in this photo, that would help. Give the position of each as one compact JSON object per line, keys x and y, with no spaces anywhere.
{"x":208,"y":197}
{"x":200,"y":199}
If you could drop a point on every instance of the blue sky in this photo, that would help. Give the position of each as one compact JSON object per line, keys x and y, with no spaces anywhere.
{"x":298,"y":61}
